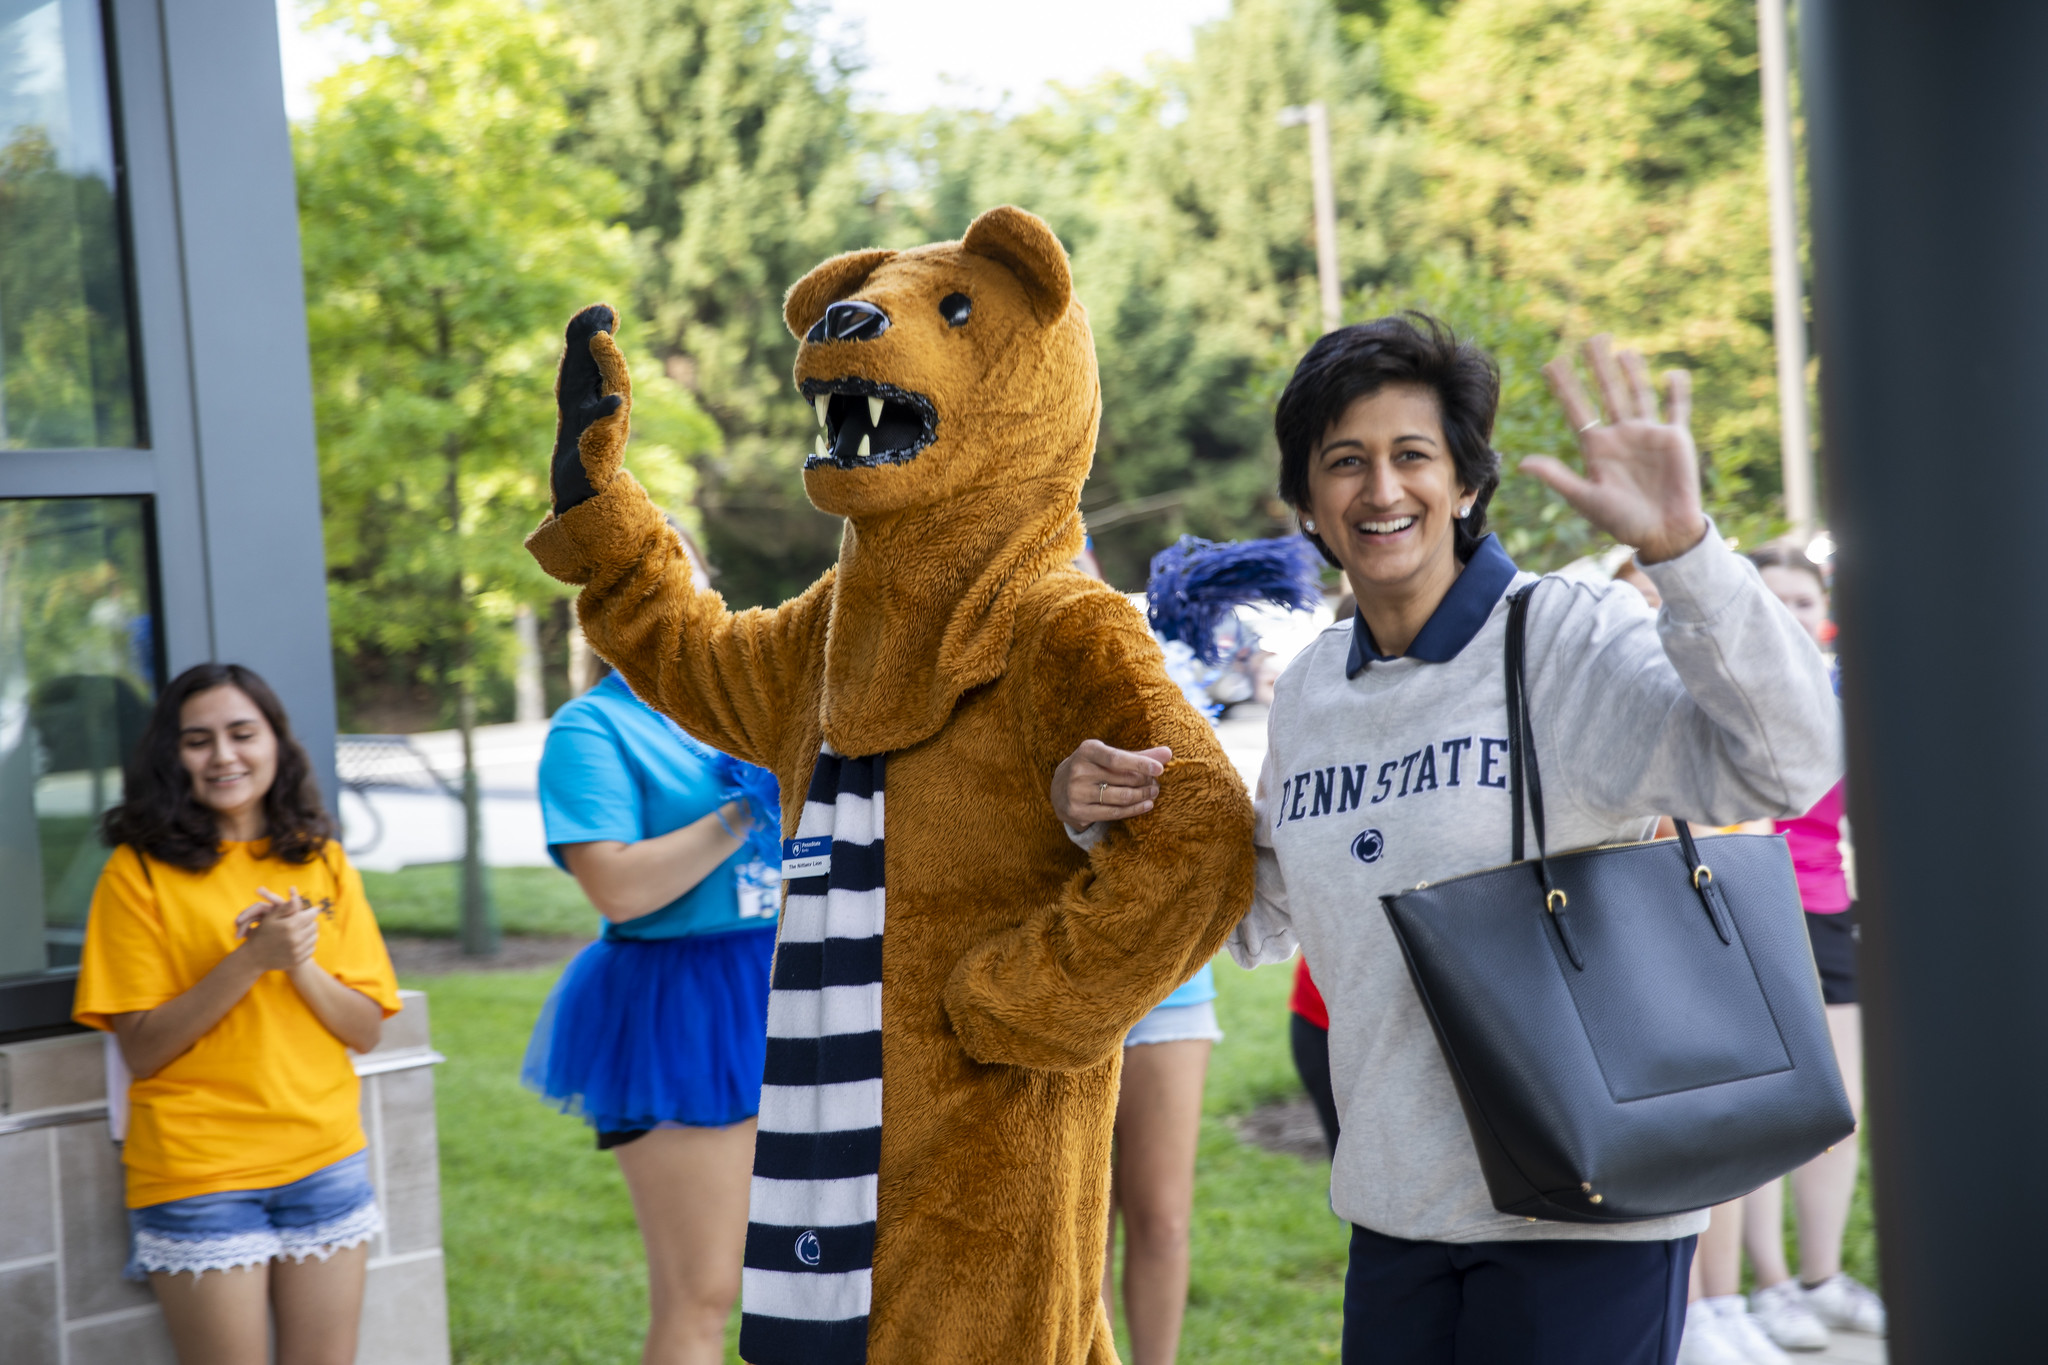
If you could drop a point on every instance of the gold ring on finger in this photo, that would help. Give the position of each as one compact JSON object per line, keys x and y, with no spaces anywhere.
{"x":1100,"y":789}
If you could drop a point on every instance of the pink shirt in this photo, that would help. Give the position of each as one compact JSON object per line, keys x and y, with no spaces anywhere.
{"x":1816,"y":842}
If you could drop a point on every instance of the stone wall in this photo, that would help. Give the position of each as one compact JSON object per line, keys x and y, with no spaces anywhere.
{"x":64,"y":1228}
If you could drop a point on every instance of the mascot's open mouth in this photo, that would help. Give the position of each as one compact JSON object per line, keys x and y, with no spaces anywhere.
{"x":862,"y":423}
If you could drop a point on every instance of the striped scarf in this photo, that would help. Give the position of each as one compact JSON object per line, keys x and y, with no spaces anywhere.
{"x":811,"y":1228}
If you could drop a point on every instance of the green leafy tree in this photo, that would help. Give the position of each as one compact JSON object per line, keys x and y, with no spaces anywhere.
{"x":727,"y":125}
{"x":1605,"y":157}
{"x":446,"y":238}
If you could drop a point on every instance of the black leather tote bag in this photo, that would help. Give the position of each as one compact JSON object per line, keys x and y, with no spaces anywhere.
{"x":1634,"y":1031}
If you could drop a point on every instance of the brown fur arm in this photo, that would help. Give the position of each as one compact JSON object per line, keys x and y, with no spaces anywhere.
{"x":726,"y":677}
{"x":1162,"y":890}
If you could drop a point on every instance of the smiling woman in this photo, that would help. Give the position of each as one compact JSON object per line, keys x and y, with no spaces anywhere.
{"x":233,"y":957}
{"x":1385,"y":768}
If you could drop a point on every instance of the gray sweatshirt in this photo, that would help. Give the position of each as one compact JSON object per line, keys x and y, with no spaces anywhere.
{"x":1381,"y":773}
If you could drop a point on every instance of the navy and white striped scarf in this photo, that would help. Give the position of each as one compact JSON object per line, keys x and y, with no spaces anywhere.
{"x":811,"y":1229}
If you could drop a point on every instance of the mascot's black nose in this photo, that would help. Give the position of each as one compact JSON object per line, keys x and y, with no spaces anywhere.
{"x":850,"y":321}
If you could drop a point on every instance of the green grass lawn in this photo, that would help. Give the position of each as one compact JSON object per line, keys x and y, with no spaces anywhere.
{"x":529,"y":900}
{"x":544,"y":1262}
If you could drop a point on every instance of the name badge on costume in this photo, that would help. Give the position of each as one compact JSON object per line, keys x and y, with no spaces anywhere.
{"x":806,"y":857}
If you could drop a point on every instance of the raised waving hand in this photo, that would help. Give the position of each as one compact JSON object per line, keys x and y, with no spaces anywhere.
{"x":1642,"y":479}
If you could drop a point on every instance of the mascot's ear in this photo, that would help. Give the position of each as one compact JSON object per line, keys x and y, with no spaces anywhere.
{"x":810,"y":296}
{"x":1026,"y":246}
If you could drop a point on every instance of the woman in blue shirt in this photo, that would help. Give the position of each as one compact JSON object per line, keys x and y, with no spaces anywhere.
{"x":656,"y":1033}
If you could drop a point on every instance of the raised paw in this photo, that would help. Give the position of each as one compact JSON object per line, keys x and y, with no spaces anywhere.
{"x":591,"y":387}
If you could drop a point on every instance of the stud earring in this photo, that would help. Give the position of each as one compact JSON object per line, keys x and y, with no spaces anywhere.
{"x":1309,"y":526}
{"x":1465,"y":511}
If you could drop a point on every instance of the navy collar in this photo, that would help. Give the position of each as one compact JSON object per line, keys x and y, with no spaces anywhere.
{"x":1456,"y":619}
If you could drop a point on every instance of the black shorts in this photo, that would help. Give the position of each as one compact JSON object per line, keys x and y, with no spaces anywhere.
{"x":1834,"y":953}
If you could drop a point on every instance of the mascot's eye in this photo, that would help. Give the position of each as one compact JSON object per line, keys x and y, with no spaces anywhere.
{"x":955,"y":308}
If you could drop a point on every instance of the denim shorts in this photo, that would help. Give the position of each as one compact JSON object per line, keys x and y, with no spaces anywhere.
{"x":1176,"y":1024}
{"x":317,"y":1215}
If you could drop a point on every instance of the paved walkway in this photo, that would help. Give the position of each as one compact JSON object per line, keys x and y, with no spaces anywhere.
{"x":1848,"y":1348}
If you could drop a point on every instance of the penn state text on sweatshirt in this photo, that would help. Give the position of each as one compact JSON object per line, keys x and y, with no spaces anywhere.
{"x":1382,"y":773}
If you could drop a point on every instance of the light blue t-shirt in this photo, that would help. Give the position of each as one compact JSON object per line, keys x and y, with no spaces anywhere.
{"x":615,"y":769}
{"x":1198,"y":989}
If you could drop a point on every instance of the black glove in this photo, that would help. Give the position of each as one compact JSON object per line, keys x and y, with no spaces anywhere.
{"x":580,"y":402}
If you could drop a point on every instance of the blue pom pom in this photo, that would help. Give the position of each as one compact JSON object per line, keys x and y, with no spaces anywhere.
{"x":1195,"y":584}
{"x":763,"y":795}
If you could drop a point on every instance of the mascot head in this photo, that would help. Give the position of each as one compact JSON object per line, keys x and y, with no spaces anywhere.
{"x":953,"y":369}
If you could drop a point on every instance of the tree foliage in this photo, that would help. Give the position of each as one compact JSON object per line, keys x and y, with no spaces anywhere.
{"x":727,"y":125}
{"x":1606,"y":158}
{"x":446,"y":238}
{"x":1531,"y":170}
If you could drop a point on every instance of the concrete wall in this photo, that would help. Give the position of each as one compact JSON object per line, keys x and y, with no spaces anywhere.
{"x":64,"y":1228}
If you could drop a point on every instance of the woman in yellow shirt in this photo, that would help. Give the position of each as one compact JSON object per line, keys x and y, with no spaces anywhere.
{"x":232,"y":954}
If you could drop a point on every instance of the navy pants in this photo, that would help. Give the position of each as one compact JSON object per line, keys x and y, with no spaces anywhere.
{"x":1551,"y":1302}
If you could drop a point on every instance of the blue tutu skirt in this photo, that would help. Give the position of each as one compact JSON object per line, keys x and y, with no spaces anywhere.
{"x":639,"y":1033}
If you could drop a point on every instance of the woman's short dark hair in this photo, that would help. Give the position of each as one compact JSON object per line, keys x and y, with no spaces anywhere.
{"x":1786,"y":554}
{"x":1357,"y":361}
{"x":160,"y":816}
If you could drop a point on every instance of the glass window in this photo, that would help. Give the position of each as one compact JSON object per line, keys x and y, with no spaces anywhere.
{"x":78,"y":674}
{"x":67,"y":372}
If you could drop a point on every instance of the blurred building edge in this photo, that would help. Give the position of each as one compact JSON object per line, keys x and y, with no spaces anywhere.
{"x":159,"y":489}
{"x":64,"y":1227}
{"x":159,"y":507}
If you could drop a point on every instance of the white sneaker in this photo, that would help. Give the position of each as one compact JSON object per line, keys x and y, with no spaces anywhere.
{"x":1704,"y":1343}
{"x":1842,"y":1302}
{"x":1740,"y":1330}
{"x":1784,"y":1315}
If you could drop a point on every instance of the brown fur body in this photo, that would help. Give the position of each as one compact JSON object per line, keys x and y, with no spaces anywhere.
{"x":954,"y":637}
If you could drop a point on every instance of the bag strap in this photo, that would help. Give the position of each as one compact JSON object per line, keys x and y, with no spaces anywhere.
{"x":1522,"y":757}
{"x":1522,"y":762}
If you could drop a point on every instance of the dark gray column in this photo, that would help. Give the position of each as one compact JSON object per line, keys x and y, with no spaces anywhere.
{"x":245,"y":324}
{"x":1929,"y":147}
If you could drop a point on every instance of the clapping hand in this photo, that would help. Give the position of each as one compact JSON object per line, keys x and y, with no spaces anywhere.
{"x":279,"y":932}
{"x":1642,"y":479}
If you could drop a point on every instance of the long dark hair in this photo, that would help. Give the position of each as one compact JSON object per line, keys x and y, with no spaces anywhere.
{"x":160,"y":816}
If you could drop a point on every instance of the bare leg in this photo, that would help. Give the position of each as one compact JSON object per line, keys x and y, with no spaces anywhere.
{"x":1719,"y":1257}
{"x":319,"y":1305}
{"x":221,"y":1317}
{"x":1158,"y":1121}
{"x":1763,"y":1233}
{"x":1109,"y":1246}
{"x":1823,"y":1188}
{"x":689,"y":1188}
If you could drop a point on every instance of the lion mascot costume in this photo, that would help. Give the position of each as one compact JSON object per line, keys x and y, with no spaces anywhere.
{"x":946,"y":1017}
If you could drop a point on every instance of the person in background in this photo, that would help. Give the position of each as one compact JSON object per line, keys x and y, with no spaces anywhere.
{"x":1308,"y":1038}
{"x":231,"y":953}
{"x":1152,"y":1166}
{"x":1798,"y":1313}
{"x":1159,"y":1123}
{"x":656,"y":1034}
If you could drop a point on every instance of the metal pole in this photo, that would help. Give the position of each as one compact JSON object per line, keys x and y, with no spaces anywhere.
{"x":1788,"y":311}
{"x":1322,"y":180}
{"x":1928,"y":123}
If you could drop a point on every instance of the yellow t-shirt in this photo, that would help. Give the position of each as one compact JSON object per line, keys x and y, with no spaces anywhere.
{"x":266,"y":1096}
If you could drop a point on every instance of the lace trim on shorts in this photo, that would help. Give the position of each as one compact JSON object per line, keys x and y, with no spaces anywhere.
{"x":322,"y":1240}
{"x":156,"y":1252}
{"x":233,"y":1251}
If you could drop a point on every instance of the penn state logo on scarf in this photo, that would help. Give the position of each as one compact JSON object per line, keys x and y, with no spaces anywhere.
{"x":809,"y":1268}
